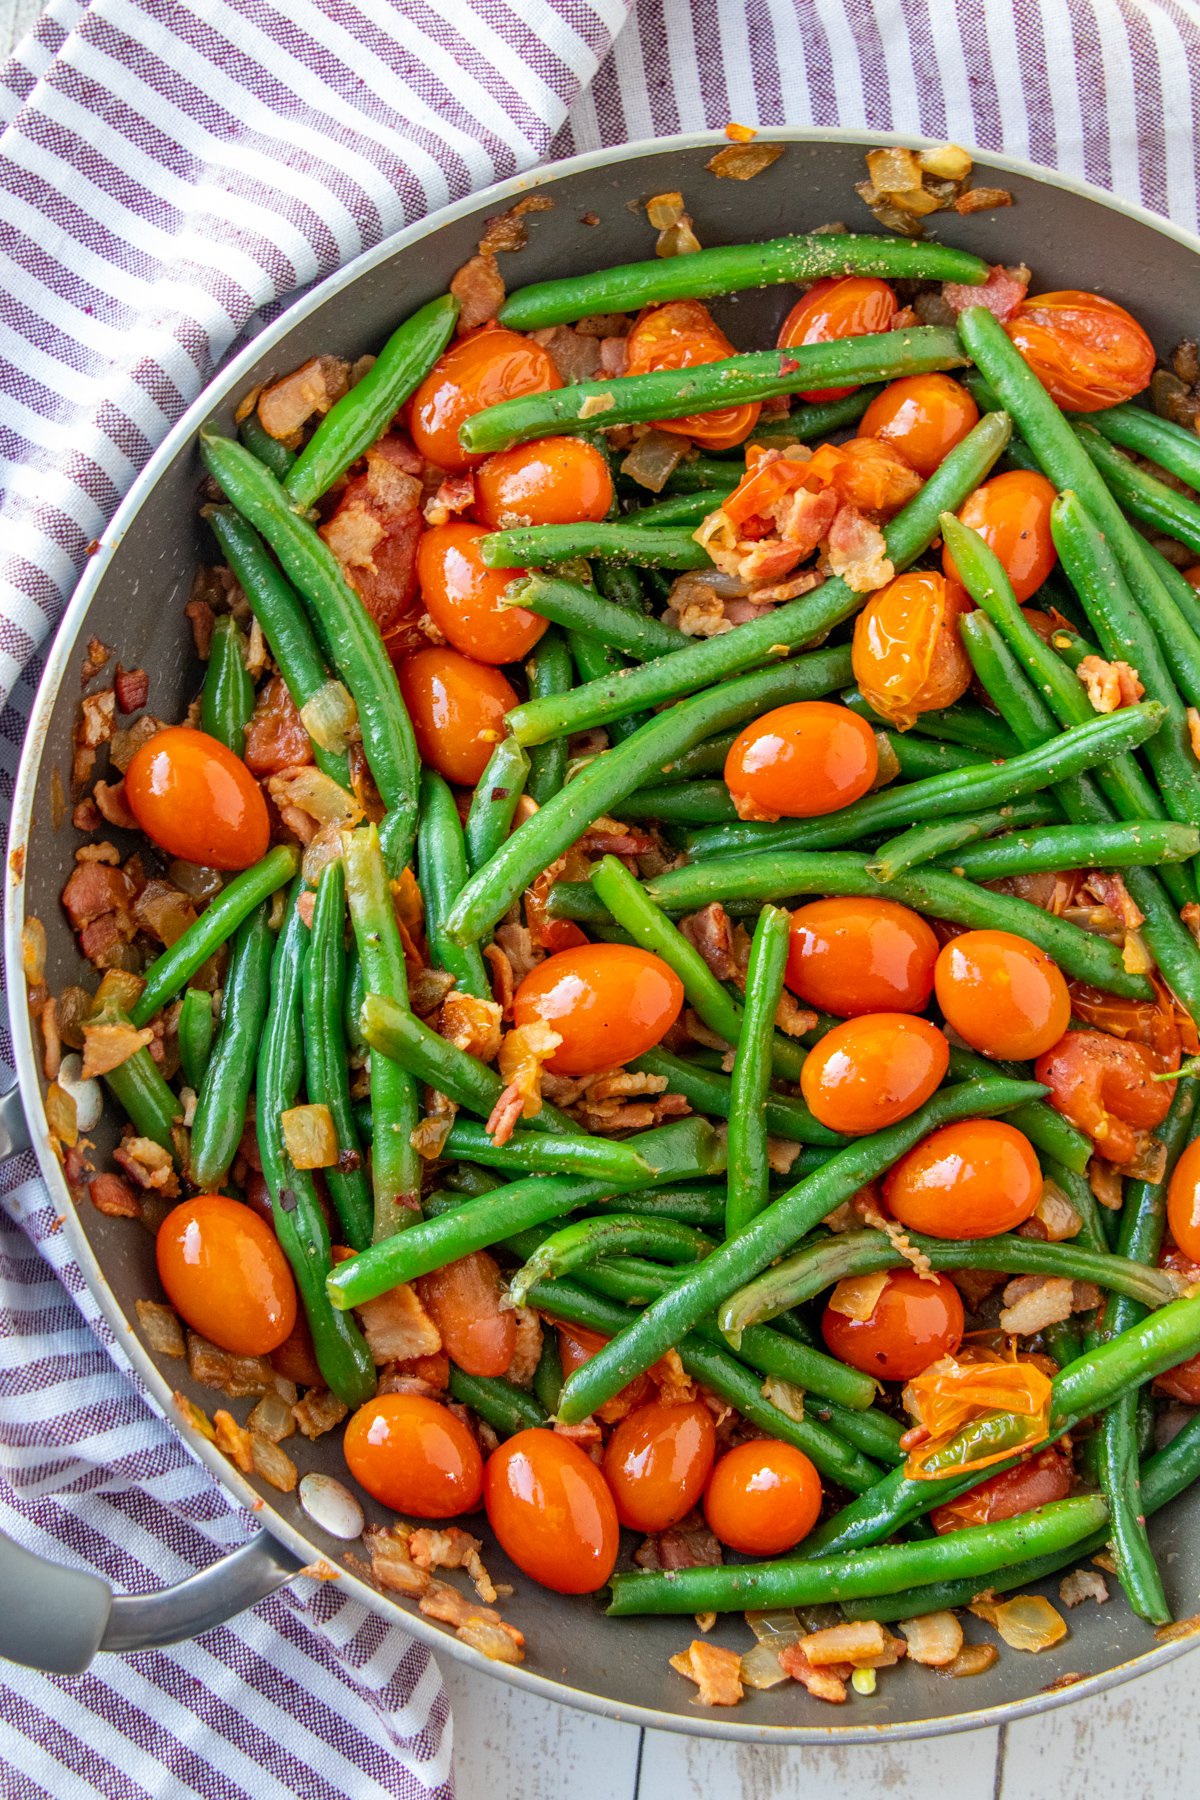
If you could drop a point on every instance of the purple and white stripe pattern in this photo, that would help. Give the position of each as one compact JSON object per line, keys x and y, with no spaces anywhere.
{"x":169,"y":177}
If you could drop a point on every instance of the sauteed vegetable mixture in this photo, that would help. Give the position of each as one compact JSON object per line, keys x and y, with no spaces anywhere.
{"x":657,"y":981}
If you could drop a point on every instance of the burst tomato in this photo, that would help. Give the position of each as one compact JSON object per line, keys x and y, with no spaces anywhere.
{"x":1087,"y":352}
{"x":1011,"y":513}
{"x":800,"y":760}
{"x":973,"y":1179}
{"x":464,"y":1300}
{"x":873,"y":1070}
{"x":924,"y":416}
{"x":1002,"y":994}
{"x":762,"y":1498}
{"x":657,"y":1461}
{"x":480,"y":370}
{"x":225,"y":1274}
{"x":551,"y":1511}
{"x":607,"y":1002}
{"x":465,"y":599}
{"x":415,"y":1456}
{"x":913,"y":1322}
{"x":683,"y":335}
{"x":197,"y":800}
{"x":457,"y":709}
{"x":838,"y":306}
{"x":861,"y":956}
{"x":1105,"y":1086}
{"x":1039,"y":1480}
{"x":552,"y":481}
{"x":907,"y":656}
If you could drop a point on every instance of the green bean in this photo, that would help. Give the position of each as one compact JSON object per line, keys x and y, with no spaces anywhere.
{"x":220,"y":1116}
{"x":1045,"y":1128}
{"x":685,"y":803}
{"x":499,"y":1403}
{"x":1071,"y":648}
{"x":1141,"y":493}
{"x":729,"y":269}
{"x":695,"y":474}
{"x":140,"y":1089}
{"x":706,"y":758}
{"x":595,"y":661}
{"x":626,"y":900}
{"x":585,"y":1239}
{"x":215,"y":926}
{"x":195,"y":1032}
{"x":494,"y":801}
{"x":534,"y":1153}
{"x":280,"y":612}
{"x":442,"y":865}
{"x":1131,"y":843}
{"x":815,"y":419}
{"x":227,"y":698}
{"x":775,"y":1230}
{"x":532,"y":546}
{"x":342,"y":1354}
{"x":964,"y":723}
{"x":748,"y":1175}
{"x":548,"y":1376}
{"x":1173,"y":447}
{"x":356,"y":993}
{"x":702,"y":1205}
{"x":682,"y":509}
{"x":548,"y":672}
{"x":327,"y":1071}
{"x":269,"y":450}
{"x":708,"y":1090}
{"x":579,"y":608}
{"x":796,"y":622}
{"x":395,"y":1106}
{"x":345,"y":627}
{"x":937,"y":841}
{"x":918,"y":756}
{"x":622,"y":585}
{"x":364,"y":413}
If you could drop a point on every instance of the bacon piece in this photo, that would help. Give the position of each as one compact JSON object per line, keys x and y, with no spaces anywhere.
{"x":116,"y":1199}
{"x":716,"y":1672}
{"x":710,"y":931}
{"x":288,"y":404}
{"x":857,"y":551}
{"x":479,"y":289}
{"x":132,"y":689}
{"x":1110,"y":685}
{"x":1001,"y":293}
{"x":522,"y":1054}
{"x":575,"y":355}
{"x":275,"y":737}
{"x":688,"y":1545}
{"x":94,"y":726}
{"x":823,"y":1684}
{"x":455,"y":495}
{"x":450,"y":1547}
{"x":112,"y":805}
{"x":471,"y":1025}
{"x":374,"y":531}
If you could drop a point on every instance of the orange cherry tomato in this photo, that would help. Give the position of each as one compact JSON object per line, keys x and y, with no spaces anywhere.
{"x":607,"y":1002}
{"x":480,"y":370}
{"x":1182,"y":1382}
{"x":414,"y":1455}
{"x":838,"y":306}
{"x":226,"y":1275}
{"x":799,"y":760}
{"x":681,"y":335}
{"x":762,"y":1497}
{"x":974,"y":1179}
{"x":1106,"y":1087}
{"x":1002,"y":994}
{"x":861,"y":956}
{"x":1087,"y":352}
{"x":907,"y":656}
{"x":913,"y":1323}
{"x":1183,"y":1201}
{"x":657,"y":1461}
{"x":465,"y":599}
{"x":1011,"y":513}
{"x":464,"y":1300}
{"x":1192,"y":576}
{"x":457,"y":709}
{"x":873,"y":1070}
{"x":197,"y":800}
{"x":551,"y":1511}
{"x":867,"y":473}
{"x":552,"y":481}
{"x":1039,"y":1480}
{"x":922,"y":415}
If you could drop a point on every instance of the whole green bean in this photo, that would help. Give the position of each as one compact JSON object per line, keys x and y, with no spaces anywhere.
{"x":584,"y":1240}
{"x":141,"y":1091}
{"x":938,"y":841}
{"x":749,"y":1174}
{"x":622,"y":585}
{"x":683,"y":509}
{"x":702,"y":1205}
{"x":269,"y":450}
{"x":695,"y":474}
{"x":594,"y":660}
{"x":1141,"y":493}
{"x":1173,"y":447}
{"x":1130,"y":843}
{"x":964,"y":723}
{"x":685,"y":803}
{"x":501,"y":1404}
{"x":327,"y":1070}
{"x":227,"y":698}
{"x":541,"y":1153}
{"x":494,"y":801}
{"x":220,"y":1116}
{"x":195,"y":1030}
{"x":215,"y":926}
{"x":918,"y":756}
{"x":814,"y":419}
{"x":532,"y":546}
{"x":1045,"y":1128}
{"x":706,"y":758}
{"x":548,"y":1376}
{"x":547,"y":672}
{"x":442,"y":865}
{"x":364,"y":413}
{"x":580,"y":608}
{"x":710,"y":1091}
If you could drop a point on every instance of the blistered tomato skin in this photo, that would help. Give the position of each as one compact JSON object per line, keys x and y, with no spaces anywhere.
{"x":1038,"y":1481}
{"x":1183,"y":1201}
{"x":1087,"y":352}
{"x":457,"y":708}
{"x":197,"y":800}
{"x":974,"y":1179}
{"x":465,"y":1301}
{"x":680,"y":335}
{"x":552,"y":481}
{"x":914,"y":1321}
{"x":907,"y":655}
{"x":608,"y":1003}
{"x":873,"y":1070}
{"x":414,"y":1455}
{"x":1105,"y":1085}
{"x":923,"y":416}
{"x":861,"y":956}
{"x":1011,"y":513}
{"x":465,"y":599}
{"x":226,"y":1275}
{"x":801,"y":760}
{"x":838,"y":306}
{"x":762,"y":1498}
{"x":552,"y":1512}
{"x":483,"y":368}
{"x":657,"y":1461}
{"x":1002,"y":995}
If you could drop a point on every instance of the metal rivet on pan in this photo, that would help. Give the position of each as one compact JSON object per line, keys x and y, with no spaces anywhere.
{"x":332,"y":1506}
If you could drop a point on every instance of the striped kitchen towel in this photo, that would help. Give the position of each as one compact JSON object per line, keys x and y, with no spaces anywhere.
{"x":171,"y":173}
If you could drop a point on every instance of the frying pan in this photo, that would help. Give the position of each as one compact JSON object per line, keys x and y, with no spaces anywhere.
{"x":132,"y":597}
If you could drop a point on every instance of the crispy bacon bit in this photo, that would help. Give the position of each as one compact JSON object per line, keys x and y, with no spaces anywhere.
{"x":98,"y":901}
{"x":1081,"y":1585}
{"x":286,"y":406}
{"x":397,"y":1326}
{"x":148,"y":1165}
{"x":106,"y":1047}
{"x":507,"y":230}
{"x":710,"y":931}
{"x":857,"y":551}
{"x":1055,"y":1219}
{"x":455,"y":495}
{"x":716,"y":1672}
{"x":934,"y":1639}
{"x":471,"y":1025}
{"x":1032,"y":1302}
{"x":117,"y":1200}
{"x":823,"y":1684}
{"x":113,"y":807}
{"x":1110,"y":685}
{"x":392,"y":1568}
{"x":521,"y":1056}
{"x":688,"y":1545}
{"x":97,"y":717}
{"x":95,"y":657}
{"x":126,"y":744}
{"x":520,"y":951}
{"x":527,"y":1349}
{"x":494,"y":1638}
{"x":374,"y":531}
{"x":164,"y":911}
{"x":132,"y":689}
{"x":275,"y":737}
{"x":1001,"y":293}
{"x":452,"y":1548}
{"x":233,"y":1440}
{"x":236,"y":1376}
{"x":742,"y":161}
{"x":982,"y":199}
{"x":479,"y":289}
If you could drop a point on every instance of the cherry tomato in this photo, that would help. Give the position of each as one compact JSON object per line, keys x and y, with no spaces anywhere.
{"x":296,"y":1357}
{"x":457,"y":709}
{"x":1157,"y":1023}
{"x":799,"y":760}
{"x":1087,"y":352}
{"x":1182,"y":1382}
{"x":907,"y":656}
{"x":1183,"y":1200}
{"x":414,"y":1455}
{"x":1192,"y":576}
{"x":913,"y":1323}
{"x":197,"y":800}
{"x":922,"y":415}
{"x":1011,"y":513}
{"x":873,"y":1070}
{"x":226,"y":1275}
{"x":861,"y":956}
{"x":480,"y":370}
{"x":1002,"y":994}
{"x":465,"y":599}
{"x":866,"y":472}
{"x":763,"y":1497}
{"x":464,"y":1300}
{"x":608,"y":1003}
{"x":657,"y":1461}
{"x":682,"y":335}
{"x":552,"y":481}
{"x":575,"y":1346}
{"x":1039,"y":1480}
{"x":1106,"y":1087}
{"x":974,"y":1179}
{"x":551,"y":1511}
{"x":838,"y":306}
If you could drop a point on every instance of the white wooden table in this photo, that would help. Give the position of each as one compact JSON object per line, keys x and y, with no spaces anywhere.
{"x":1140,"y":1743}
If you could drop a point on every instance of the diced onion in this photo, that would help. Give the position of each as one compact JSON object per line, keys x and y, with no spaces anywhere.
{"x":330,"y":717}
{"x":310,"y":1136}
{"x":1027,"y":1622}
{"x":857,"y":1296}
{"x":948,"y":161}
{"x":742,"y":161}
{"x":934,"y":1639}
{"x":33,"y":951}
{"x":60,"y":1115}
{"x":973,"y":1659}
{"x":655,"y":456}
{"x":760,"y":1667}
{"x":894,"y":170}
{"x":786,"y":1396}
